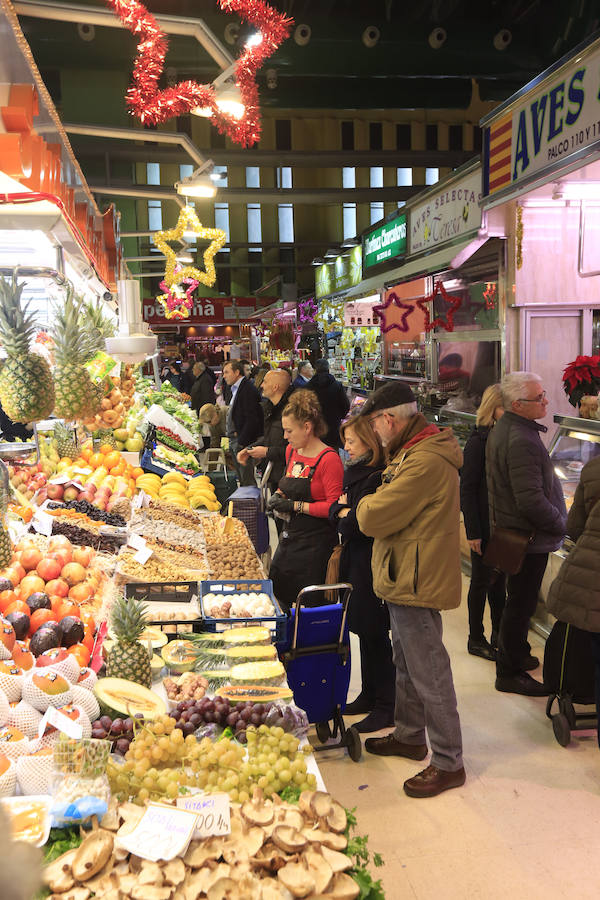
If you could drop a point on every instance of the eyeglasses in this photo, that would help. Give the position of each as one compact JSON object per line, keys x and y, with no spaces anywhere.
{"x":378,"y":416}
{"x":538,"y":399}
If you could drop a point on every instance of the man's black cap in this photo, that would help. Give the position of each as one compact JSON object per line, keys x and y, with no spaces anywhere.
{"x":394,"y":393}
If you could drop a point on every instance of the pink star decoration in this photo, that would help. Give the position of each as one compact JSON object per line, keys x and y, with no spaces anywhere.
{"x":393,"y":299}
{"x":177,"y":302}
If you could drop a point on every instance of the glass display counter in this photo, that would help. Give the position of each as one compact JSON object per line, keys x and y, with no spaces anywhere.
{"x":460,"y":422}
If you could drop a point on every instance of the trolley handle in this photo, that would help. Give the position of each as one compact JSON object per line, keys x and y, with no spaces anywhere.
{"x":264,"y":482}
{"x":322,"y":589}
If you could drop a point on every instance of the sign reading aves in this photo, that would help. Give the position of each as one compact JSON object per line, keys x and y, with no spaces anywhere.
{"x":152,"y":106}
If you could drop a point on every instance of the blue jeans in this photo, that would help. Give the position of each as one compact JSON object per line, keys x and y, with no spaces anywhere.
{"x":425,"y":697}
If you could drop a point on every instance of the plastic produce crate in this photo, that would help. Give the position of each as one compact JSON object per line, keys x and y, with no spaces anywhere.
{"x":166,"y":592}
{"x":277,"y":623}
{"x":224,"y":483}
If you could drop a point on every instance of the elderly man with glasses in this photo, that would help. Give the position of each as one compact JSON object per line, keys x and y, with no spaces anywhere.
{"x":525,"y":495}
{"x":414,"y":520}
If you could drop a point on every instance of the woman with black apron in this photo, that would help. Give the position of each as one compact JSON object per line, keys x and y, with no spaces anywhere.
{"x":311,"y":482}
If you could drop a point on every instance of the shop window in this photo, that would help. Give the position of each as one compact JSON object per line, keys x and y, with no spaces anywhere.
{"x":349,"y":177}
{"x":284,"y":177}
{"x":404,"y":177}
{"x":252,"y":177}
{"x":154,"y":215}
{"x":347,"y":135}
{"x":185,"y":171}
{"x":153,"y":173}
{"x":375,"y":136}
{"x":432,"y":176}
{"x":223,"y":277}
{"x":254,"y":226}
{"x":349,"y":220}
{"x":283,"y":134}
{"x":455,"y":137}
{"x":403,"y":136}
{"x":431,"y":137}
{"x":286,"y":223}
{"x":221,"y":171}
{"x":222,"y":221}
{"x":377,"y":212}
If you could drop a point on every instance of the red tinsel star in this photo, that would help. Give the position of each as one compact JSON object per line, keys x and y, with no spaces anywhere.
{"x":176,"y":306}
{"x":396,"y":301}
{"x":489,"y":295}
{"x":454,"y":303}
{"x":153,"y":106}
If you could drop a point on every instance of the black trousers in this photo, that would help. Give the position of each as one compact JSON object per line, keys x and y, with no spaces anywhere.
{"x":521,"y":601}
{"x":485,"y":582}
{"x":377,"y":669}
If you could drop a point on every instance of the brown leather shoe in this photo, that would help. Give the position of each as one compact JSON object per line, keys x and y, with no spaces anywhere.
{"x":389,"y":746}
{"x":432,"y":781}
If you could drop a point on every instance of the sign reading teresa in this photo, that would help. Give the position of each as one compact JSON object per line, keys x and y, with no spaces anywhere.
{"x":544,"y":127}
{"x":385,"y":242}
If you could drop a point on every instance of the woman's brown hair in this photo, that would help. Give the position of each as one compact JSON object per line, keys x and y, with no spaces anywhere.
{"x":304,"y":406}
{"x":365,"y":433}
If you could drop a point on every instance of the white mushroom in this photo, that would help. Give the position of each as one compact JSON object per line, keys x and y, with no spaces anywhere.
{"x":328,"y":838}
{"x":58,"y":876}
{"x":289,"y":839}
{"x":224,"y":889}
{"x":339,"y":862}
{"x":297,"y":879}
{"x":174,"y":872}
{"x":336,"y":818}
{"x":343,"y":888}
{"x":150,"y":873}
{"x":320,"y":870}
{"x":258,"y":811}
{"x":320,"y":804}
{"x":92,"y":855}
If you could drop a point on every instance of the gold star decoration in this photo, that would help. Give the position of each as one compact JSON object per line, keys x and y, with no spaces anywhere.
{"x":188,"y":220}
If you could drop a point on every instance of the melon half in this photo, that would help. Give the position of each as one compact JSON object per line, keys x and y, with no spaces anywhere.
{"x":23,"y":716}
{"x":34,"y":772}
{"x":44,"y":688}
{"x":87,"y":701}
{"x":8,"y":776}
{"x":11,"y":680}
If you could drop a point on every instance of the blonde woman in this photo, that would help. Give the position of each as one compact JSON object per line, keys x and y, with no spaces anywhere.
{"x":485,"y":582}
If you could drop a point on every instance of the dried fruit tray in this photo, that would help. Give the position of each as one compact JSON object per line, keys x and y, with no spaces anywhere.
{"x":277,"y":623}
{"x":170,"y":603}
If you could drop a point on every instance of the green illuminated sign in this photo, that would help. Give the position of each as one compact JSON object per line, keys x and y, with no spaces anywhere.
{"x":342,"y":273}
{"x":385,"y":242}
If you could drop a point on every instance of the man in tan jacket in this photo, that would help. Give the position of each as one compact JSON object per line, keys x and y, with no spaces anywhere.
{"x":414,"y":520}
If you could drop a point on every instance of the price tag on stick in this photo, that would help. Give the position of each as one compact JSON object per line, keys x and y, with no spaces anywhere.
{"x":213,"y":813}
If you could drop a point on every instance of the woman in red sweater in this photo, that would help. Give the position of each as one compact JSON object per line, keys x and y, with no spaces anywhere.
{"x":311,"y":482}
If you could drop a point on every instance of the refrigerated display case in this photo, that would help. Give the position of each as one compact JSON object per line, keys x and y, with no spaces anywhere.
{"x":460,"y":422}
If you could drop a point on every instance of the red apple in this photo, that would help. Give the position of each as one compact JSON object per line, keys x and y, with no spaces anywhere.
{"x":55,"y":491}
{"x":90,"y":488}
{"x":70,"y":493}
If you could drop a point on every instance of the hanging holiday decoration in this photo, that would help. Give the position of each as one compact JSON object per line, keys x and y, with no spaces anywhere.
{"x":307,"y":311}
{"x":453,"y":302}
{"x":393,"y":300}
{"x":347,"y":341}
{"x":152,"y":106}
{"x":176,"y":301}
{"x":490,"y":294}
{"x":188,"y":220}
{"x":519,"y":237}
{"x":331,"y":315}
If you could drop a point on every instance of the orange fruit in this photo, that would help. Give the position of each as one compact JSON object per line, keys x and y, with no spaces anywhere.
{"x":96,"y":459}
{"x":88,"y":621}
{"x":112,"y":459}
{"x":40,"y":617}
{"x":85,"y":453}
{"x":81,"y":653}
{"x":18,"y":606}
{"x":88,"y":640}
{"x":68,"y":609}
{"x":106,"y":448}
{"x":6,"y":598}
{"x":137,"y":472}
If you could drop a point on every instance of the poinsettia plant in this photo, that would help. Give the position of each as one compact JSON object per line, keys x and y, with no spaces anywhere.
{"x":582,"y":378}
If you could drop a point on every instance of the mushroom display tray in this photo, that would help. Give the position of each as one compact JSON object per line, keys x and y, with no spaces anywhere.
{"x":277,"y":623}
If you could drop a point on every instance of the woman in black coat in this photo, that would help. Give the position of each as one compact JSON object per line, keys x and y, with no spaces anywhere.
{"x":202,"y":389}
{"x":367,"y":615}
{"x":485,"y":582}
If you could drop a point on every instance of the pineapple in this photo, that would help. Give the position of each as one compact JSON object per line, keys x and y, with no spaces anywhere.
{"x":66,"y":441}
{"x":75,"y":395}
{"x":105,"y":436}
{"x":97,"y":325}
{"x":129,"y":658}
{"x":26,"y":387}
{"x":6,"y":549}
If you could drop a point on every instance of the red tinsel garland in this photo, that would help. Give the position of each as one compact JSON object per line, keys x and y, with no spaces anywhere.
{"x":153,"y":106}
{"x":393,"y":299}
{"x":453,"y":302}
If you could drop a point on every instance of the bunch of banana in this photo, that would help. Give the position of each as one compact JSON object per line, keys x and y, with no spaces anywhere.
{"x":201,"y":494}
{"x":173,"y":489}
{"x":149,"y":483}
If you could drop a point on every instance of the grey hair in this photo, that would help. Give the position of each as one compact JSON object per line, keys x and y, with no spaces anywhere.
{"x":404,"y":410}
{"x":513,"y":385}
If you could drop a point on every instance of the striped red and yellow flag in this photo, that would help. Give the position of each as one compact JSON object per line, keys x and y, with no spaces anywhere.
{"x":500,"y":154}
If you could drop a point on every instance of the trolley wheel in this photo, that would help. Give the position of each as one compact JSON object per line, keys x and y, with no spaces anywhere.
{"x":354,"y":744}
{"x":568,"y":710}
{"x":323,"y":731}
{"x":562,"y":731}
{"x":549,"y":705}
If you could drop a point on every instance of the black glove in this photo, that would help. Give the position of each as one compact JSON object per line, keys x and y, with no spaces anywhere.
{"x":280,"y":504}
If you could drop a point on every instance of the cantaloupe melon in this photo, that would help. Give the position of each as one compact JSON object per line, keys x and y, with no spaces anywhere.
{"x":116,"y":695}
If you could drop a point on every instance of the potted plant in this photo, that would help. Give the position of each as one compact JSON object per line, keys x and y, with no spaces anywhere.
{"x":581,"y":378}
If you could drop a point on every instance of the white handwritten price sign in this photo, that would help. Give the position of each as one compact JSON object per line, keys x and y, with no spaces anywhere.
{"x":212,"y":811}
{"x":163,"y":832}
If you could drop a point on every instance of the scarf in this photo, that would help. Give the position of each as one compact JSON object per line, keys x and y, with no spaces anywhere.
{"x":363,"y":460}
{"x":411,"y":429}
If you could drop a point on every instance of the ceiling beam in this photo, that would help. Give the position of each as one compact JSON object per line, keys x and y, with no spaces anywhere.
{"x":139,"y":134}
{"x":319,"y":196}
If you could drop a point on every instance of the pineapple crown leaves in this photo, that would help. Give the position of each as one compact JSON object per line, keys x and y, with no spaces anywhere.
{"x":129,"y":618}
{"x":74,"y":344}
{"x":17,"y":324}
{"x":97,"y":324}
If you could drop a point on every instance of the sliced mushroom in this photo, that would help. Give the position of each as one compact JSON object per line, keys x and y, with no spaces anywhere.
{"x":336,"y":817}
{"x":328,"y":838}
{"x":92,"y":855}
{"x":270,"y":858}
{"x":320,"y":870}
{"x":339,"y":862}
{"x":258,"y":812}
{"x":289,"y":839}
{"x":174,"y":872}
{"x":127,"y":882}
{"x":150,"y":892}
{"x":194,"y":884}
{"x":58,"y":876}
{"x":293,"y":818}
{"x":220,"y":871}
{"x":343,"y":888}
{"x":304,"y":803}
{"x":199,"y":853}
{"x":297,"y":879}
{"x":121,"y":867}
{"x":320,"y":804}
{"x":150,"y":873}
{"x":223,"y":889}
{"x":77,"y":893}
{"x":271,"y":891}
{"x":244,"y":845}
{"x":110,"y":819}
{"x":103,"y":879}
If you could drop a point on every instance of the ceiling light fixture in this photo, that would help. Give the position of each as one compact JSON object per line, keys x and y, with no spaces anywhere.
{"x":349,"y":243}
{"x":576,"y":190}
{"x":185,"y":258}
{"x":199,"y":183}
{"x":332,"y":254}
{"x":318,"y":261}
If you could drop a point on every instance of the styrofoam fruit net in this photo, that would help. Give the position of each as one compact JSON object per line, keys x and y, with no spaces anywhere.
{"x":4,"y":653}
{"x":34,"y":772}
{"x":87,"y":679}
{"x":12,"y":685}
{"x":68,"y":668}
{"x":40,"y":699}
{"x":13,"y":748}
{"x":8,"y":780}
{"x":4,"y":708}
{"x":25,"y":717}
{"x":87,"y":700}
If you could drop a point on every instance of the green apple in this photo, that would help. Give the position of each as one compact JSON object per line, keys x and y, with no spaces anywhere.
{"x":134,"y":444}
{"x":120,"y":444}
{"x":121,"y":434}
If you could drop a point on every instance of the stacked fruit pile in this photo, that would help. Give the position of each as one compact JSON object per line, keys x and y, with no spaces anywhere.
{"x":105,"y":475}
{"x":193,"y":493}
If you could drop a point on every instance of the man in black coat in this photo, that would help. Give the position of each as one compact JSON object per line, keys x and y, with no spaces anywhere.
{"x":524,"y":495}
{"x":245,"y":417}
{"x":333,"y":399}
{"x":202,"y":390}
{"x":270,"y":447}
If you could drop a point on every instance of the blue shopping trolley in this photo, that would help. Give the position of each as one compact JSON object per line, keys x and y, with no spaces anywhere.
{"x":316,"y":657}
